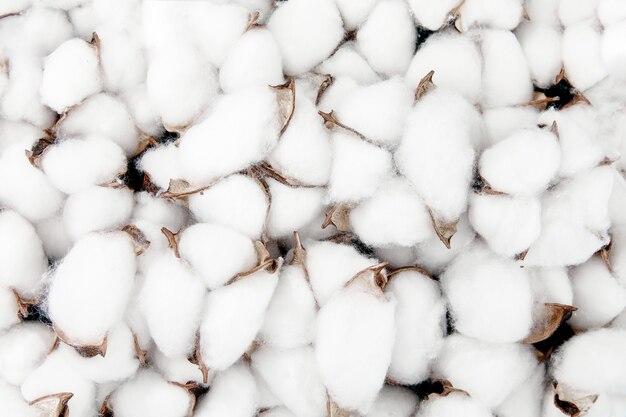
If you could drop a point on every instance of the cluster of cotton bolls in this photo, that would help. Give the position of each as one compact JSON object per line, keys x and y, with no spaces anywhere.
{"x":312,"y":208}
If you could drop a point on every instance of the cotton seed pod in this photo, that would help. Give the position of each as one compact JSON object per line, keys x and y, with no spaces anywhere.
{"x":22,"y":349}
{"x":233,"y":392}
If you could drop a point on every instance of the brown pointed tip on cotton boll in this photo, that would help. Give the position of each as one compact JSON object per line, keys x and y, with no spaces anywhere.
{"x":527,"y":399}
{"x":488,"y":372}
{"x":216,"y":253}
{"x":387,"y":38}
{"x":22,"y":349}
{"x":420,"y":317}
{"x":489,"y":297}
{"x":178,"y":368}
{"x":405,"y":220}
{"x":509,"y":225}
{"x":551,"y":288}
{"x":294,"y":24}
{"x":347,"y":62}
{"x":148,"y":394}
{"x":292,"y":208}
{"x":244,"y":301}
{"x":95,"y":278}
{"x":24,"y":261}
{"x":563,"y":400}
{"x":237,"y":202}
{"x":432,"y":16}
{"x":582,"y":56}
{"x":542,"y":46}
{"x":451,"y":405}
{"x":444,"y":53}
{"x":253,"y":61}
{"x":233,"y":393}
{"x":354,"y":342}
{"x":121,"y":57}
{"x":495,"y":14}
{"x":504,"y":70}
{"x":292,"y":375}
{"x":9,"y":309}
{"x":71,"y":73}
{"x":502,"y":122}
{"x":248,"y":127}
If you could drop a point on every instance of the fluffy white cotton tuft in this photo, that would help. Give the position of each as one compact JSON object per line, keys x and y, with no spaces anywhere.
{"x":14,"y":404}
{"x":292,"y":208}
{"x":575,"y":11}
{"x":232,"y":393}
{"x":121,"y":57}
{"x":613,"y":55}
{"x":354,"y":12}
{"x":393,"y":401}
{"x":161,"y":164}
{"x":581,"y":51}
{"x":526,"y":400}
{"x":9,"y":310}
{"x":56,"y":242}
{"x":432,"y":15}
{"x":347,"y":62}
{"x":611,"y":11}
{"x":22,"y":349}
{"x":497,"y":14}
{"x":452,"y":405}
{"x":542,"y":46}
{"x":500,"y":122}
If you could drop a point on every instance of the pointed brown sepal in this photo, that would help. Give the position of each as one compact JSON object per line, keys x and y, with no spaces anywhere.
{"x":327,"y":81}
{"x":541,"y":102}
{"x":86,"y":351}
{"x":577,"y":96}
{"x":455,"y":16}
{"x":180,"y":189}
{"x":95,"y":41}
{"x":196,"y":359}
{"x":299,"y":253}
{"x":605,"y":254}
{"x":195,"y":391}
{"x":172,"y":240}
{"x":140,"y":353}
{"x":443,"y":388}
{"x":147,"y":142}
{"x":140,"y":242}
{"x":554,"y":315}
{"x":414,"y":268}
{"x":333,"y":410}
{"x":264,"y":169}
{"x":338,"y":216}
{"x":571,"y":402}
{"x":521,"y":256}
{"x":371,"y":280}
{"x":23,"y":305}
{"x":488,"y":189}
{"x":105,"y":409}
{"x":35,"y":153}
{"x":4,"y":16}
{"x":286,"y":97}
{"x":53,"y":405}
{"x":330,"y":120}
{"x":247,"y":355}
{"x":444,"y":231}
{"x":253,"y":20}
{"x":425,"y":85}
{"x":270,"y":266}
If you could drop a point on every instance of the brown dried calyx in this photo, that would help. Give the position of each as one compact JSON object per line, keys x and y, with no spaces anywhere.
{"x":24,"y":305}
{"x":486,"y":188}
{"x":142,"y":354}
{"x":265,"y":169}
{"x":414,"y":268}
{"x":54,"y":405}
{"x":138,"y":238}
{"x":571,"y":402}
{"x":286,"y":98}
{"x":425,"y":85}
{"x":37,"y":151}
{"x":195,"y":391}
{"x":443,"y":388}
{"x":253,"y":20}
{"x":86,"y":351}
{"x":333,"y":410}
{"x":444,"y":231}
{"x":266,"y":262}
{"x":605,"y":254}
{"x":180,"y":189}
{"x":196,"y":359}
{"x":330,"y":121}
{"x":554,"y":315}
{"x":577,"y":96}
{"x":338,"y":216}
{"x":172,"y":240}
{"x":327,"y":81}
{"x":371,"y":280}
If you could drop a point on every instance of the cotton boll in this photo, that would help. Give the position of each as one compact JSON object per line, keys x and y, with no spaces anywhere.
{"x":489,"y":297}
{"x":237,"y":202}
{"x":148,"y":394}
{"x":121,"y":57}
{"x":13,"y":403}
{"x":216,"y":253}
{"x":177,"y":369}
{"x":232,"y":393}
{"x":160,"y":211}
{"x":527,"y":399}
{"x":431,"y":15}
{"x":22,"y":349}
{"x":24,"y":261}
{"x":611,"y":11}
{"x":143,"y":110}
{"x":613,"y":56}
{"x":43,"y":29}
{"x":9,"y":310}
{"x":54,"y":376}
{"x":244,"y":302}
{"x":453,"y":404}
{"x":252,"y":62}
{"x":162,"y":165}
{"x":354,"y":343}
{"x":171,"y":300}
{"x":303,"y":151}
{"x":542,"y":46}
{"x":97,"y":208}
{"x":346,"y":62}
{"x":102,"y":115}
{"x":436,"y":152}
{"x":333,"y":96}
{"x":502,"y":122}
{"x":331,"y":265}
{"x":590,"y":362}
{"x":292,"y":208}
{"x":292,"y":375}
{"x":395,"y":215}
{"x":490,"y":13}
{"x":378,"y":111}
{"x":242,"y":128}
{"x":550,"y":285}
{"x":354,"y":12}
{"x":420,"y":315}
{"x":387,"y":38}
{"x":581,"y":52}
{"x":74,"y":165}
{"x":13,"y":132}
{"x":90,"y":288}
{"x":506,"y":77}
{"x":84,"y":20}
{"x":70,"y":74}
{"x":266,"y":398}
{"x":543,"y":11}
{"x":54,"y":237}
{"x":393,"y":401}
{"x":294,"y":25}
{"x":357,"y":169}
{"x":489,"y":372}
{"x":445,"y":53}
{"x":575,"y":11}
{"x":291,"y":314}
{"x":597,"y":295}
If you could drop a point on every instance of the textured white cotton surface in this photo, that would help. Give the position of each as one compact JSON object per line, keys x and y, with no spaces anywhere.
{"x":233,"y":393}
{"x":13,"y":402}
{"x":613,"y":56}
{"x":452,"y":405}
{"x":162,"y":165}
{"x":292,"y":208}
{"x":56,"y":242}
{"x":393,"y":401}
{"x":498,"y":14}
{"x":22,"y":349}
{"x":542,"y":46}
{"x":501,"y":122}
{"x":526,"y":400}
{"x":121,"y":57}
{"x":354,"y":12}
{"x":582,"y":55}
{"x":432,"y":15}
{"x":8,"y":308}
{"x":347,"y":62}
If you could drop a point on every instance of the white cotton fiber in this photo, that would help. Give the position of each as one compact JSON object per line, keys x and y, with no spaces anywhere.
{"x":71,"y":74}
{"x":303,"y":152}
{"x":500,"y":122}
{"x":14,"y":404}
{"x":171,"y":300}
{"x":162,"y":165}
{"x":22,"y":349}
{"x":237,"y":202}
{"x":331,"y":266}
{"x":121,"y":57}
{"x":611,"y":11}
{"x":497,"y":14}
{"x":102,"y":115}
{"x":527,"y":399}
{"x":232,"y":393}
{"x":292,"y":208}
{"x":597,"y":294}
{"x":581,"y":51}
{"x":333,"y":96}
{"x":56,"y":242}
{"x":431,"y":15}
{"x":295,"y":24}
{"x":617,"y":255}
{"x":291,"y":314}
{"x":436,"y":152}
{"x":25,"y":188}
{"x":357,"y":169}
{"x":394,"y":215}
{"x":41,"y":30}
{"x":542,"y":46}
{"x":378,"y":111}
{"x":232,"y":318}
{"x":160,"y":211}
{"x":74,"y":165}
{"x":24,"y":261}
{"x":354,"y":343}
{"x":489,"y":296}
{"x":148,"y":394}
{"x":143,"y":110}
{"x":9,"y":310}
{"x":293,"y":377}
{"x":387,"y":38}
{"x":253,"y":61}
{"x":420,"y":316}
{"x":452,"y":405}
{"x":506,"y":77}
{"x":354,"y":12}
{"x":550,"y":285}
{"x":240,"y":131}
{"x":347,"y":62}
{"x":575,"y":11}
{"x":216,"y":253}
{"x":445,"y":53}
{"x":14,"y":6}
{"x":590,"y":362}
{"x":613,"y":54}
{"x":90,"y":288}
{"x":178,"y":369}
{"x":394,"y":401}
{"x":13,"y":132}
{"x":489,"y":372}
